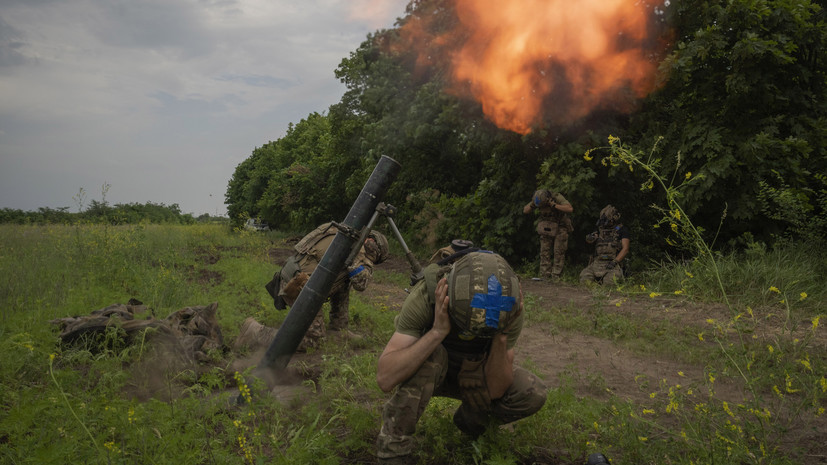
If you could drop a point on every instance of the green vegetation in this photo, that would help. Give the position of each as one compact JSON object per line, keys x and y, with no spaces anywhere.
{"x":92,"y":402}
{"x":741,"y":107}
{"x":100,"y":212}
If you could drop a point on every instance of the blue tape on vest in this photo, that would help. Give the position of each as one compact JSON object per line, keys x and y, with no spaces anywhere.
{"x":358,"y":270}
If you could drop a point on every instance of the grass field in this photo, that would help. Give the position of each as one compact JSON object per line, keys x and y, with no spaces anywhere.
{"x":93,"y":401}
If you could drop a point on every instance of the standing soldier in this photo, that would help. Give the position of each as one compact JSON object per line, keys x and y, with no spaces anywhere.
{"x":611,"y":245}
{"x":290,"y":280}
{"x":554,"y":228}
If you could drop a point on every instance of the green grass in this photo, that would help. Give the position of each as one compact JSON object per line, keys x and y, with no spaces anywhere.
{"x":95,"y":402}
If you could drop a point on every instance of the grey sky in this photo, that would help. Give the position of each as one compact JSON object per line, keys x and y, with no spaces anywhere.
{"x":161,"y":99}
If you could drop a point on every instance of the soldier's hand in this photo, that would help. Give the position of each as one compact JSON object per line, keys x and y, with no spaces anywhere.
{"x":611,"y":265}
{"x":442,"y":322}
{"x":527,"y":209}
{"x":591,"y":237}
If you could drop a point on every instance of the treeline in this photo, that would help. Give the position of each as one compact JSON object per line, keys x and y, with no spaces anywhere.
{"x":102,"y":212}
{"x":738,"y":123}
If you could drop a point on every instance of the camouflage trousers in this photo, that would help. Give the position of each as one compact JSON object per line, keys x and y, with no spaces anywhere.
{"x":339,"y":305}
{"x":553,"y":253}
{"x":436,"y":377}
{"x":597,"y":272}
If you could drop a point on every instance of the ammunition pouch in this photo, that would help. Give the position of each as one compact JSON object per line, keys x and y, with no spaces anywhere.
{"x":294,"y":287}
{"x":472,"y":384}
{"x":273,"y":288}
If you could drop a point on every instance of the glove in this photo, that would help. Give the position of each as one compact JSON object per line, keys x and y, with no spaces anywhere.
{"x":591,"y":237}
{"x":471,"y":380}
{"x":611,"y":265}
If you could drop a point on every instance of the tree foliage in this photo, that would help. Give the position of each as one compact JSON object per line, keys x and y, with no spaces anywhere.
{"x":741,"y":107}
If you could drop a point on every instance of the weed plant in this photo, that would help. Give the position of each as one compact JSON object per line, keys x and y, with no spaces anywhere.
{"x":104,"y":401}
{"x":764,"y":342}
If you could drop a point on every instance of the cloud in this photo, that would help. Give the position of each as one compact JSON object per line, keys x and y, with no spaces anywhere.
{"x":161,"y":99}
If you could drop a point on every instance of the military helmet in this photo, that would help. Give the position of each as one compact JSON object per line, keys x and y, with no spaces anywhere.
{"x":609,"y":216}
{"x":541,"y":196}
{"x":377,"y":251}
{"x":484,"y":294}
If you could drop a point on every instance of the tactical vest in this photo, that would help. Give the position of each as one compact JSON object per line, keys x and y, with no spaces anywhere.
{"x":608,"y":243}
{"x":309,"y":243}
{"x":548,"y":213}
{"x":551,"y":214}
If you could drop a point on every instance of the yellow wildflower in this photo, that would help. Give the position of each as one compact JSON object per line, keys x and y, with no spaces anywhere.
{"x":789,"y":385}
{"x":700,"y":336}
{"x":689,"y":274}
{"x":803,"y":296}
{"x":674,"y":227}
{"x":652,"y":295}
{"x":653,"y":395}
{"x":680,"y":373}
{"x":815,"y":322}
{"x":679,"y":292}
{"x":613,"y":139}
{"x":774,"y":289}
{"x":770,"y":348}
{"x":727,"y":410}
{"x":688,"y":174}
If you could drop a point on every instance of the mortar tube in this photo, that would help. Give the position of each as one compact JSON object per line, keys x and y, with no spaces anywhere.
{"x":315,"y":291}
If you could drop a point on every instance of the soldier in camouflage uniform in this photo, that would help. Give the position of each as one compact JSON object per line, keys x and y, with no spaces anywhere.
{"x":611,"y":246}
{"x":290,"y":280}
{"x":554,"y":228}
{"x":455,"y":337}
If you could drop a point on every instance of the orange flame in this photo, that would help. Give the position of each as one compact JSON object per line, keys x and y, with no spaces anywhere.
{"x":530,"y":61}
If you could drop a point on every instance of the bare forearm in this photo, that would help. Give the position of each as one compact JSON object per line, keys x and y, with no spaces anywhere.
{"x":499,"y":370}
{"x":624,"y":250}
{"x":399,"y":365}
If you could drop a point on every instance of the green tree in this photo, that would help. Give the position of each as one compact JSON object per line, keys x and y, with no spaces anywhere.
{"x":744,"y":106}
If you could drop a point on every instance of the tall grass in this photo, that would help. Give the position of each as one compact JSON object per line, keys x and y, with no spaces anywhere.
{"x":105,"y":401}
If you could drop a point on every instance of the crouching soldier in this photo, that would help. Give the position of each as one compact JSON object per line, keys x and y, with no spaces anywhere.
{"x":455,"y":337}
{"x":290,"y":280}
{"x":611,"y":246}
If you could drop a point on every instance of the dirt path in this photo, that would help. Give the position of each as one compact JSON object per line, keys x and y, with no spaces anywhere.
{"x":593,"y":366}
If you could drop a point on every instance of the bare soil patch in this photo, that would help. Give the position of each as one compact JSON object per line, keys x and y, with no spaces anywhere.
{"x":593,"y":366}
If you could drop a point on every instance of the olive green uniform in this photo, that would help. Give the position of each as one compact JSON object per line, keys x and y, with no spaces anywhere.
{"x":438,"y":377}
